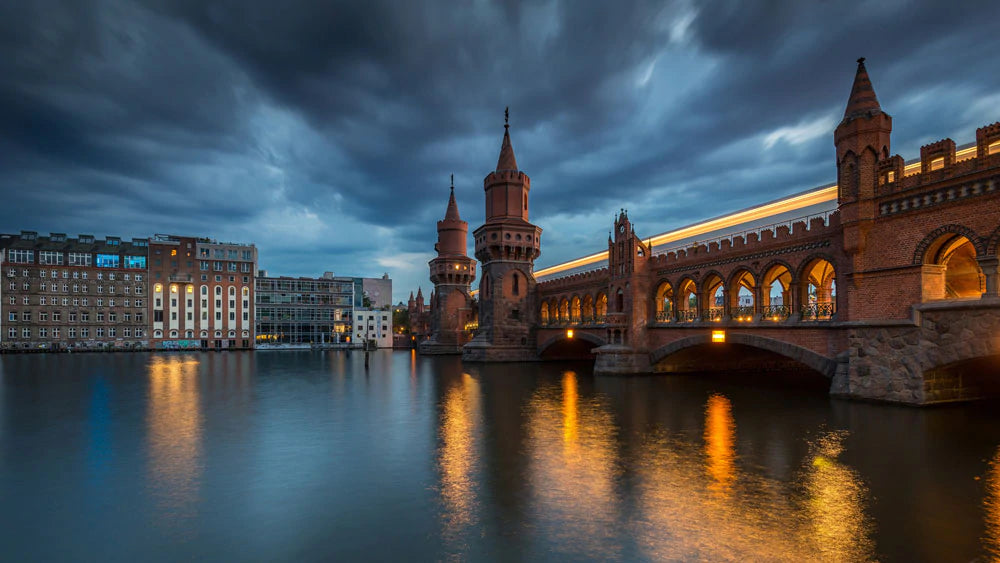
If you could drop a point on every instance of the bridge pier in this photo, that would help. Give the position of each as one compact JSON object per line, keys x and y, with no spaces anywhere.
{"x":616,"y":359}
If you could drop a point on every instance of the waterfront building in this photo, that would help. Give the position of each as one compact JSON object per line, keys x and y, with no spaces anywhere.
{"x":419,"y":316}
{"x":306,"y":310}
{"x":63,"y":293}
{"x":373,"y":325}
{"x":378,"y":291}
{"x":452,"y":272}
{"x":201,"y":293}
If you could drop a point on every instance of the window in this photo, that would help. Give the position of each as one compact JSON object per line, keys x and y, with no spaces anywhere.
{"x":128,"y":289}
{"x":55,"y":332}
{"x":15,"y":256}
{"x":218,"y":278}
{"x":111,"y":276}
{"x":76,"y":301}
{"x":76,"y":275}
{"x":42,"y":286}
{"x":12,"y":316}
{"x":937,"y":163}
{"x":111,"y":332}
{"x":13,"y":286}
{"x":79,"y":259}
{"x":11,"y":332}
{"x":85,"y":316}
{"x":100,"y":302}
{"x":218,"y":266}
{"x":85,"y":302}
{"x":43,"y":273}
{"x":190,"y":316}
{"x":25,"y":333}
{"x":65,"y":301}
{"x":100,"y":332}
{"x":56,"y":316}
{"x":100,"y":289}
{"x":50,"y":257}
{"x":24,"y":273}
{"x":218,"y":315}
{"x":111,"y":302}
{"x":138,"y":303}
{"x":127,"y":317}
{"x":127,"y":332}
{"x":203,"y":265}
{"x":108,"y":261}
{"x":232,"y":315}
{"x":173,"y":315}
{"x":138,"y":277}
{"x":112,"y":317}
{"x":65,"y":274}
{"x":84,"y":332}
{"x":26,"y":300}
{"x":127,"y":303}
{"x":72,"y":316}
{"x":157,"y":303}
{"x":83,"y":275}
{"x":26,"y":286}
{"x":43,"y":316}
{"x":138,"y":319}
{"x":248,"y":255}
{"x":100,"y":316}
{"x":100,"y":275}
{"x":76,"y":288}
{"x":138,"y":333}
{"x":135,"y":263}
{"x":173,"y":302}
{"x":43,"y":332}
{"x":72,"y":332}
{"x":246,"y":316}
{"x":232,"y":266}
{"x":41,"y":300}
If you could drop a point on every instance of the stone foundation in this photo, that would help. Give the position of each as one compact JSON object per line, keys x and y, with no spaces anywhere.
{"x":434,"y":348}
{"x":479,"y":351}
{"x":615,"y":359}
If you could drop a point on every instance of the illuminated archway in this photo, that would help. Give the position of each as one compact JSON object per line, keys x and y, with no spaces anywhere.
{"x":664,"y":302}
{"x":951,"y":269}
{"x":601,"y":306}
{"x":564,"y":310}
{"x":543,"y":313}
{"x":743,"y":291}
{"x":819,"y":281}
{"x":713,"y":296}
{"x":776,"y":296}
{"x":687,"y":302}
{"x":574,"y":310}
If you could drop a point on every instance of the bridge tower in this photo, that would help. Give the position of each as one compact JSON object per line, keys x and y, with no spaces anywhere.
{"x":506,"y":246}
{"x":862,"y":141}
{"x":452,"y":272}
{"x":628,"y":302}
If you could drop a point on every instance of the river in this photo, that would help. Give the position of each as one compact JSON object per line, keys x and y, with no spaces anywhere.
{"x":309,"y":456}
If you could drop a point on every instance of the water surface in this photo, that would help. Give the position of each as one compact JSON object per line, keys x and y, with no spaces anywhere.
{"x":308,"y":456}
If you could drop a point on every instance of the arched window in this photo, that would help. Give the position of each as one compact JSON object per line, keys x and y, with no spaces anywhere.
{"x":515,"y":285}
{"x":204,"y":290}
{"x":218,"y":290}
{"x":620,"y":301}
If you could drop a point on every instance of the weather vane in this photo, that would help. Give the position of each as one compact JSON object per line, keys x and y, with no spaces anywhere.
{"x":506,"y":115}
{"x":453,"y":181}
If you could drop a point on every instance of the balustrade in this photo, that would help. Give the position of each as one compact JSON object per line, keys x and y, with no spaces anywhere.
{"x":664,"y":317}
{"x":743,"y":314}
{"x":821,"y":311}
{"x":777,"y":312}
{"x":714,"y":314}
{"x":687,"y":315}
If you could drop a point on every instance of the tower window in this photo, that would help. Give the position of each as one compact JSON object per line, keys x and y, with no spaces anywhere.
{"x":525,"y":202}
{"x":516,"y":286}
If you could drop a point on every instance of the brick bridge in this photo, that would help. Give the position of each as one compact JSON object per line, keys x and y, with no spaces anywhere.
{"x":892,"y":294}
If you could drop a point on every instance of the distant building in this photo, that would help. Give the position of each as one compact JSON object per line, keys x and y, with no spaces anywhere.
{"x":63,"y":293}
{"x":305,"y":310}
{"x":202,"y":293}
{"x":420,"y":317}
{"x":373,"y":325}
{"x":378,"y":291}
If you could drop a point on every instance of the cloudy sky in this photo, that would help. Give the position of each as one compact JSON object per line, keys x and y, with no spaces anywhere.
{"x":326,"y":133}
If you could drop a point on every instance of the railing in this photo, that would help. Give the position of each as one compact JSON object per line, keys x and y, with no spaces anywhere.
{"x":664,"y":316}
{"x":743,"y":314}
{"x":776,"y":312}
{"x":822,"y":311}
{"x":687,"y":315}
{"x":180,"y":277}
{"x":714,"y":314}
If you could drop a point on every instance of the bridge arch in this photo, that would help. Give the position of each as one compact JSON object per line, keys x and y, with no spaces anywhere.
{"x":742,"y":291}
{"x":817,"y":287}
{"x":601,"y":304}
{"x":587,"y":308}
{"x":564,"y":310}
{"x":776,"y":283}
{"x":993,"y":242}
{"x":574,"y":309}
{"x":686,"y":299}
{"x":663,"y":300}
{"x":597,"y":341}
{"x":712,"y":303}
{"x":822,"y":364}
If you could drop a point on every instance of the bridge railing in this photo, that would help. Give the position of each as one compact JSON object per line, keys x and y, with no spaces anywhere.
{"x":776,"y":312}
{"x":743,"y":314}
{"x":664,"y":316}
{"x":687,"y":315}
{"x":820,"y":311}
{"x":773,"y":227}
{"x":714,"y":314}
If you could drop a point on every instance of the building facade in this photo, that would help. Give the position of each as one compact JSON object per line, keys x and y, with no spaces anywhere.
{"x":378,"y":291}
{"x":201,"y":293}
{"x":452,"y":273}
{"x":83,"y":293}
{"x":316,"y":311}
{"x":373,"y":325}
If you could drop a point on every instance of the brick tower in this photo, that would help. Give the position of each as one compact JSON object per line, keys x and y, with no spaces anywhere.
{"x":862,"y":142}
{"x":452,"y":272}
{"x":506,"y":246}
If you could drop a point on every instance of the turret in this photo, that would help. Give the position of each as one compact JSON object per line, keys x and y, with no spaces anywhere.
{"x":861,"y":139}
{"x":506,"y":187}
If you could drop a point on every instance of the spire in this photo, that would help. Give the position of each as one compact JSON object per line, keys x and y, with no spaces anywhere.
{"x":452,"y":213}
{"x":420,"y":294}
{"x":411,"y":298}
{"x":862,"y":101}
{"x":506,"y":160}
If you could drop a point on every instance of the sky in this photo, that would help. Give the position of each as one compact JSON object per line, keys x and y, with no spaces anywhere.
{"x":326,"y":132}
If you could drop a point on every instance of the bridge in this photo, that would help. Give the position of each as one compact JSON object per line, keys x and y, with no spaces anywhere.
{"x":886,"y":282}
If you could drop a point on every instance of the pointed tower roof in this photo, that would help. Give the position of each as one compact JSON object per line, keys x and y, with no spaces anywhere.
{"x":862,"y":101}
{"x":506,"y":160}
{"x":452,"y":212}
{"x":420,"y":293}
{"x":411,"y":297}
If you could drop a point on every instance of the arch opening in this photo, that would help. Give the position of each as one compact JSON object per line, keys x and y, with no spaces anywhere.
{"x":744,"y":291}
{"x":776,"y":297}
{"x":564,"y":310}
{"x":574,"y":310}
{"x":587,"y":309}
{"x":820,"y":300}
{"x":543,"y":313}
{"x":953,"y":271}
{"x":664,"y":302}
{"x":687,"y":302}
{"x":563,"y":347}
{"x":745,"y":361}
{"x":601,"y":307}
{"x":715,"y":298}
{"x":974,"y":378}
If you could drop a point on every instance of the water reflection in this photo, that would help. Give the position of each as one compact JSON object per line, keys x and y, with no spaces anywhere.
{"x":720,"y":444}
{"x":458,"y":458}
{"x":174,"y":423}
{"x":572,"y":471}
{"x":702,"y":505}
{"x":992,"y":507}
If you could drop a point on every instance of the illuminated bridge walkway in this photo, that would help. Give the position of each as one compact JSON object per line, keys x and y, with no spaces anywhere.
{"x":887,"y":284}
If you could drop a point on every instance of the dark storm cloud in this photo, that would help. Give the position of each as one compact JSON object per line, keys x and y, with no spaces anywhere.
{"x":326,"y":132}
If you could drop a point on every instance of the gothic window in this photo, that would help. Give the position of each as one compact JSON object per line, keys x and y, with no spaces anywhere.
{"x":516,"y":286}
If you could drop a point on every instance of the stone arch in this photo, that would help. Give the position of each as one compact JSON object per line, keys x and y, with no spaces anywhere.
{"x":564,"y":310}
{"x":824,"y":306}
{"x":950,"y":264}
{"x":683,"y":292}
{"x":587,"y":308}
{"x":777,"y":307}
{"x":709,"y":298}
{"x":663,"y":301}
{"x":574,"y":309}
{"x":920,"y":253}
{"x":586,"y":336}
{"x":742,"y":282}
{"x":601,"y":304}
{"x":805,"y":356}
{"x":543,"y":313}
